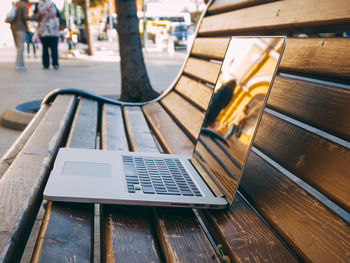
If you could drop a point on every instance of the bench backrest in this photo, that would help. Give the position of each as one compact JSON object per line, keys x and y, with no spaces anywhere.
{"x":298,"y":173}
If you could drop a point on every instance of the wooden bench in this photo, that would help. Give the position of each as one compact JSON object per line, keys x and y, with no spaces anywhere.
{"x":294,"y":199}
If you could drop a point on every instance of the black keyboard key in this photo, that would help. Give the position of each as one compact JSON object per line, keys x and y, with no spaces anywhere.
{"x":148,"y":189}
{"x":130,"y":170}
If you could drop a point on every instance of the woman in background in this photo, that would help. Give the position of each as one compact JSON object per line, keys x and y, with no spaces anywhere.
{"x":19,"y":29}
{"x":49,"y":22}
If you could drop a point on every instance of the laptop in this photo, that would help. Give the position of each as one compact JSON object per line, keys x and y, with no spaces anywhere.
{"x":209,"y":177}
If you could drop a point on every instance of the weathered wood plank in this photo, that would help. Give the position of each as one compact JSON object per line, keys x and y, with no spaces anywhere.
{"x":67,"y":231}
{"x":12,"y":152}
{"x":126,"y":230}
{"x":66,"y":234}
{"x":195,"y":91}
{"x":328,"y":57}
{"x":139,"y":136}
{"x":170,"y":136}
{"x":245,"y":237}
{"x":322,"y":163}
{"x":212,"y":48}
{"x":84,"y":127}
{"x":127,"y":234}
{"x":203,"y":70}
{"x":185,"y":113}
{"x":324,"y":107}
{"x":220,"y":6}
{"x":181,"y":237}
{"x":309,"y":228}
{"x":283,"y":16}
{"x":113,"y":131}
{"x":22,"y":184}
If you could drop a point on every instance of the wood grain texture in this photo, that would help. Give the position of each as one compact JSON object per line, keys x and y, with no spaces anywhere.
{"x":138,"y":131}
{"x":181,"y":237}
{"x":126,"y":230}
{"x":323,"y":164}
{"x":66,"y":234}
{"x":12,"y":152}
{"x":170,"y":136}
{"x":113,"y":131}
{"x":324,"y":107}
{"x":309,"y":228}
{"x":195,"y":91}
{"x":245,"y":237}
{"x":68,"y":229}
{"x":186,"y":114}
{"x":220,"y":6}
{"x":84,"y":126}
{"x":127,"y":235}
{"x":283,"y":16}
{"x":328,"y":57}
{"x":202,"y":69}
{"x":22,"y":184}
{"x":212,"y":48}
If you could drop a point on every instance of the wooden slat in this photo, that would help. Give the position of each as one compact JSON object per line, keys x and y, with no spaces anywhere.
{"x":195,"y":91}
{"x":67,"y":231}
{"x":22,"y":184}
{"x":313,"y":231}
{"x":220,"y":6}
{"x":170,"y":136}
{"x":202,"y":69}
{"x":127,"y":234}
{"x":321,"y":56}
{"x":322,"y":163}
{"x":322,"y":106}
{"x":180,"y":235}
{"x":12,"y":152}
{"x":66,"y":234}
{"x":113,"y":131}
{"x":245,"y":237}
{"x":138,"y":131}
{"x":126,"y":231}
{"x":213,"y":48}
{"x":186,"y":114}
{"x":283,"y":16}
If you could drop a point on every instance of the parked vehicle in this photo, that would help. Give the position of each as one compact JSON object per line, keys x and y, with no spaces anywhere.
{"x":180,"y":33}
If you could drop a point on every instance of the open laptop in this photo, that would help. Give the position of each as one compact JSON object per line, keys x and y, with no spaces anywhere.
{"x":207,"y":179}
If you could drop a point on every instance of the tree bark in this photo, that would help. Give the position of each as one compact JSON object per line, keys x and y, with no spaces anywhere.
{"x":87,"y":23}
{"x":136,"y":86}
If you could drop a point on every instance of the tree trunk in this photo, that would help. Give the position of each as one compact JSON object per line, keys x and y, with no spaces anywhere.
{"x":136,"y":86}
{"x":87,"y":23}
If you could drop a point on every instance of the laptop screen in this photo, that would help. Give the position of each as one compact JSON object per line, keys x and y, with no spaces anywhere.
{"x":240,"y":94}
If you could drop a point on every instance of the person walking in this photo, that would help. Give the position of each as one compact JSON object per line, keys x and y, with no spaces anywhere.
{"x":19,"y":30}
{"x":30,"y":39}
{"x":48,"y":15}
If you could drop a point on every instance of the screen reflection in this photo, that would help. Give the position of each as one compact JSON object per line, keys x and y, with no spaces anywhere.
{"x":236,"y":107}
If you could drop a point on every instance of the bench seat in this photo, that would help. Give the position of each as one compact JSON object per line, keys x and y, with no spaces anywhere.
{"x":293,"y":203}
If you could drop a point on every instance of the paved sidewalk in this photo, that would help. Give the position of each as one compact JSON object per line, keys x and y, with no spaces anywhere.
{"x":99,"y":74}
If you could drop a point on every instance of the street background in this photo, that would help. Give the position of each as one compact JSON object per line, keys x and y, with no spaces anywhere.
{"x":99,"y":74}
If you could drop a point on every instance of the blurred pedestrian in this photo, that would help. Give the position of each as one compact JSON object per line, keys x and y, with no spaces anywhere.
{"x":19,"y":29}
{"x":49,"y":22}
{"x":30,"y":38}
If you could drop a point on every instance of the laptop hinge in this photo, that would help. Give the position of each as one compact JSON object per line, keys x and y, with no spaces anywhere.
{"x":211,"y":184}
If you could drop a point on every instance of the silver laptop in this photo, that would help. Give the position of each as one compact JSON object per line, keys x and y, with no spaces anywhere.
{"x":207,"y":179}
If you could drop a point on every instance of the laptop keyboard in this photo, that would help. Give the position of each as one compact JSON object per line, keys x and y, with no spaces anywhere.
{"x":158,"y":176}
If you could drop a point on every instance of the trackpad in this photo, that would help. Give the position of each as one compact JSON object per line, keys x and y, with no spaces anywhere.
{"x":87,"y":169}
